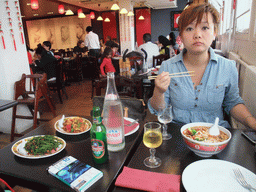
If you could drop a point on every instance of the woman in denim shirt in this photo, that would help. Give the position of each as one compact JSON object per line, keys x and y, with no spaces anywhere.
{"x":214,"y":86}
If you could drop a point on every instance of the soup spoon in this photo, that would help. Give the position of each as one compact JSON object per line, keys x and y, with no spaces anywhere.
{"x":214,"y":130}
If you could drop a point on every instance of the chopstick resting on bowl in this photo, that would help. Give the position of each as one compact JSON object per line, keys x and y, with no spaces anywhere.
{"x":181,"y":74}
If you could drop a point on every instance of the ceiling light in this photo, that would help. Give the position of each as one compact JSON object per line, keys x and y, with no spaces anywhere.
{"x":130,"y":13}
{"x":123,"y":11}
{"x":107,"y":20}
{"x":81,"y":15}
{"x":99,"y":18}
{"x":115,"y":7}
{"x":141,"y":18}
{"x":34,"y":4}
{"x":36,"y":14}
{"x":69,"y":12}
{"x":50,"y":13}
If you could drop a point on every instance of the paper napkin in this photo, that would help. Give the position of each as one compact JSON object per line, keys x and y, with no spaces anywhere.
{"x":148,"y":181}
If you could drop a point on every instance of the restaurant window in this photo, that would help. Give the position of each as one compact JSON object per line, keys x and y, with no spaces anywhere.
{"x":243,"y":14}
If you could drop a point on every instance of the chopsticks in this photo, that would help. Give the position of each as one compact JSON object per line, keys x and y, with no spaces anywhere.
{"x":181,"y":74}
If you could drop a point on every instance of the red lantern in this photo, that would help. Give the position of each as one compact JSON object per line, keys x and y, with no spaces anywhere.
{"x":61,"y":9}
{"x":79,"y":11}
{"x":34,"y":4}
{"x":92,"y":15}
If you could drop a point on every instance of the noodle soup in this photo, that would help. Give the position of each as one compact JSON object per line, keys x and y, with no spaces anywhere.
{"x":201,"y":133}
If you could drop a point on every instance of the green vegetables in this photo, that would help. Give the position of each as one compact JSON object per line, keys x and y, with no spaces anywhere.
{"x":192,"y":131}
{"x":42,"y":145}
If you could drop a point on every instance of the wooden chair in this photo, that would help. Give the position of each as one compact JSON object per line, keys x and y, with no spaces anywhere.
{"x":157,"y":60}
{"x":40,"y":92}
{"x":125,"y":86}
{"x":58,"y":84}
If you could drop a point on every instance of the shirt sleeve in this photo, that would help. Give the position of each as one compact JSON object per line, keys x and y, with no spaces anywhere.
{"x":86,"y":41}
{"x":102,"y":65}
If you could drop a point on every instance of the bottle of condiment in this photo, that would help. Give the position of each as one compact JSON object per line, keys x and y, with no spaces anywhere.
{"x":98,"y":138}
{"x":113,"y":116}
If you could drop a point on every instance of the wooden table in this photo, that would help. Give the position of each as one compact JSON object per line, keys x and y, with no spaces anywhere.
{"x":176,"y":156}
{"x":6,"y":104}
{"x":33,"y":174}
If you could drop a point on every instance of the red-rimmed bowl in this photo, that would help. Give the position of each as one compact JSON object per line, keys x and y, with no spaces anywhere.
{"x":201,"y":148}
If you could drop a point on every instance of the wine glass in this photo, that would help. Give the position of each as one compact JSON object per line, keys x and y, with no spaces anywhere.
{"x":165,"y":116}
{"x":152,"y":139}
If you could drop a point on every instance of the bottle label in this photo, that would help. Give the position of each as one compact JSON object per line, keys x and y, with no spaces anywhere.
{"x":114,"y":136}
{"x":98,"y":148}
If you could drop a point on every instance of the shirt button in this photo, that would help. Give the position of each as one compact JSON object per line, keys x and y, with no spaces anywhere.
{"x":196,"y":98}
{"x":201,"y":83}
{"x":195,"y":105}
{"x":175,"y":84}
{"x":199,"y":90}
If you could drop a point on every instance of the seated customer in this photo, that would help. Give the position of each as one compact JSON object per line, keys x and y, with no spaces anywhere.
{"x":164,"y":45}
{"x":47,"y":46}
{"x":106,"y":62}
{"x":214,"y":86}
{"x":114,"y":48}
{"x":80,"y":49}
{"x":45,"y":63}
{"x":151,"y":49}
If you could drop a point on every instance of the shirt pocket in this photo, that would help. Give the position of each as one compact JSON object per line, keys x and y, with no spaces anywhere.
{"x":177,"y":90}
{"x":215,"y":93}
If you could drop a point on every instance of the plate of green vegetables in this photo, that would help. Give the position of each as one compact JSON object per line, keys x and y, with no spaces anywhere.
{"x":39,"y":146}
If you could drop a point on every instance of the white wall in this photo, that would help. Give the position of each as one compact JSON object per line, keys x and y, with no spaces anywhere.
{"x":12,"y":64}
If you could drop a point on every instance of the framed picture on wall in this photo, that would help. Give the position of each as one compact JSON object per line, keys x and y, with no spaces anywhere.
{"x":174,"y":20}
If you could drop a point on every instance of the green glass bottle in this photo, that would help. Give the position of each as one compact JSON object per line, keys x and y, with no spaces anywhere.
{"x":98,"y":138}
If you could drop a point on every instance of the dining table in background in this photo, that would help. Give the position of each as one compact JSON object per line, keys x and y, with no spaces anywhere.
{"x":176,"y":156}
{"x":32,"y":173}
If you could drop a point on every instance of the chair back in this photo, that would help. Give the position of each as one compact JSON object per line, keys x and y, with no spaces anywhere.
{"x":157,"y":60}
{"x":125,"y":86}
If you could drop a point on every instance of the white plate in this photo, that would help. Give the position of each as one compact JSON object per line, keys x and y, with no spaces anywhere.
{"x":134,"y":130}
{"x":56,"y":125}
{"x":215,"y":175}
{"x":18,"y":148}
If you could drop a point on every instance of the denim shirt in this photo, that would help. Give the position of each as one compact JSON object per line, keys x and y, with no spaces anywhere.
{"x":217,"y":90}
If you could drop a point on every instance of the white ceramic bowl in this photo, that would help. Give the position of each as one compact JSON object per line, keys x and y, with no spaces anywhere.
{"x":204,"y":149}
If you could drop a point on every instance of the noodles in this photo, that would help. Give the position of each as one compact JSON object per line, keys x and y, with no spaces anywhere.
{"x":75,"y":125}
{"x":200,"y":133}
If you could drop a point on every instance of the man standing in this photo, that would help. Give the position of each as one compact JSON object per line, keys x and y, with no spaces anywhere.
{"x":150,"y":48}
{"x":92,"y":42}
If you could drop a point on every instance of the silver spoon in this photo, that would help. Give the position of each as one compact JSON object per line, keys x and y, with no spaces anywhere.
{"x":214,"y":130}
{"x":61,"y":121}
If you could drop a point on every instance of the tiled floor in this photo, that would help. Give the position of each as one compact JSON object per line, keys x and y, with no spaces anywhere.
{"x":78,"y":103}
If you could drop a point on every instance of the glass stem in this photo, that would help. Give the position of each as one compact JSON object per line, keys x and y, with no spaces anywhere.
{"x":164,"y":129}
{"x":152,"y":154}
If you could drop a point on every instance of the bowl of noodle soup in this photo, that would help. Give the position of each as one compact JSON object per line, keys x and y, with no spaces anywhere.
{"x":73,"y":126}
{"x":198,"y":139}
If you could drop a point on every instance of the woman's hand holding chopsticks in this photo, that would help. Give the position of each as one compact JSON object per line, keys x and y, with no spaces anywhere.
{"x":162,"y":82}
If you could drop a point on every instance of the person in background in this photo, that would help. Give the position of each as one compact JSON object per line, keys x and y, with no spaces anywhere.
{"x":80,"y":49}
{"x":175,"y":46}
{"x":45,"y":63}
{"x":102,"y":45}
{"x":114,"y":48}
{"x":150,"y":48}
{"x":109,"y":42}
{"x":214,"y":85}
{"x":30,"y":58}
{"x":115,"y":41}
{"x":164,"y":45}
{"x":47,"y":46}
{"x":92,"y":42}
{"x":106,"y":62}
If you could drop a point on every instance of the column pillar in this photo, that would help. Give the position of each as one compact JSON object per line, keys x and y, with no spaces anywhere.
{"x":126,"y":27}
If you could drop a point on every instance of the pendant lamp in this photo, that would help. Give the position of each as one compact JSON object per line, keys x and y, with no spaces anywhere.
{"x":81,"y":16}
{"x":92,"y":15}
{"x":107,"y":20}
{"x":141,"y":18}
{"x":61,"y":9}
{"x":34,"y":4}
{"x":130,"y":13}
{"x":115,"y":7}
{"x":99,"y":18}
{"x":69,"y":12}
{"x":123,"y":11}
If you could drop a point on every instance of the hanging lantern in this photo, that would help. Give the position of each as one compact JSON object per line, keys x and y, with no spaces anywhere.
{"x":61,"y":9}
{"x":34,"y":4}
{"x":92,"y":15}
{"x":79,"y":11}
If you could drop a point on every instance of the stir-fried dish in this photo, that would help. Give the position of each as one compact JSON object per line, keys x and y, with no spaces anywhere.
{"x":75,"y":125}
{"x":42,"y":145}
{"x":201,"y":133}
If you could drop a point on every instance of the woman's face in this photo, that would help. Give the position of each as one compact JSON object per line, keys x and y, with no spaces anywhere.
{"x":198,"y":38}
